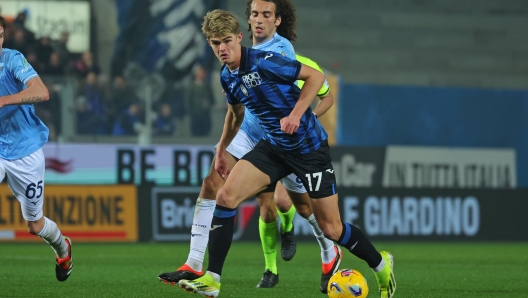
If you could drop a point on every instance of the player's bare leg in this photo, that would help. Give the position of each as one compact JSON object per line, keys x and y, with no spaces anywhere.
{"x":331,"y":254}
{"x":49,"y":231}
{"x":235,"y":190}
{"x":286,"y":212}
{"x":326,"y":211}
{"x":203,"y":214}
{"x":268,"y":239}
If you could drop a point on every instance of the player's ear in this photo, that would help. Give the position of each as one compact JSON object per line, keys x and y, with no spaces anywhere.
{"x":278,"y":21}
{"x":239,"y":37}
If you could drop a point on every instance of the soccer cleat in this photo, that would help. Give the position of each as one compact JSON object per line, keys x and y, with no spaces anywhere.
{"x":269,"y":280}
{"x":205,"y":285}
{"x":288,"y":245}
{"x":330,"y":269}
{"x":64,"y":266}
{"x":184,"y":272}
{"x":385,"y":278}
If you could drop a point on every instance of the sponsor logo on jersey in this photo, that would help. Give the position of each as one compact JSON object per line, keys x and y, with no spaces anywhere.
{"x":25,"y":69}
{"x":244,"y":90}
{"x":252,"y":80}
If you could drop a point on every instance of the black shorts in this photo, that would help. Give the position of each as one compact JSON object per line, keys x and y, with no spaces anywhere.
{"x":314,"y":169}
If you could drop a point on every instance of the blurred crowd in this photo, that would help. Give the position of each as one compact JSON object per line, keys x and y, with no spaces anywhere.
{"x":103,"y":105}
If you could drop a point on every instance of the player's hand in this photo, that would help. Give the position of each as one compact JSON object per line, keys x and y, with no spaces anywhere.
{"x":221,"y":166}
{"x":289,"y":124}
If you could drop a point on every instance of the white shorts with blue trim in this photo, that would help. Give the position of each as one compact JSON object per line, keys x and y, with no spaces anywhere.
{"x":25,"y":178}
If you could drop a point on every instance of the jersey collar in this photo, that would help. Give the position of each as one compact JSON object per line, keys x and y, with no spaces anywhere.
{"x":243,"y":62}
{"x":268,"y":42}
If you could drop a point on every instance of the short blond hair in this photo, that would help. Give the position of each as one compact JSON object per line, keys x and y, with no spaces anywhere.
{"x":219,"y":23}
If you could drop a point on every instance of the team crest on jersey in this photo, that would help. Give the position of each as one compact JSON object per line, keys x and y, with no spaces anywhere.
{"x":244,"y":90}
{"x":252,"y":80}
{"x":284,"y":53}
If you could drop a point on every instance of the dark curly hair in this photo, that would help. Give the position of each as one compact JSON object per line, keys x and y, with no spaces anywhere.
{"x":285,"y":10}
{"x":3,"y":23}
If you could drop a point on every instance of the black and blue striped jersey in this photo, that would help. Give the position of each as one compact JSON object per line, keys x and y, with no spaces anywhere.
{"x":265,"y":85}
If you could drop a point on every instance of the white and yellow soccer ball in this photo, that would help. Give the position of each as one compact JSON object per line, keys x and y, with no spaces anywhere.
{"x":346,"y":283}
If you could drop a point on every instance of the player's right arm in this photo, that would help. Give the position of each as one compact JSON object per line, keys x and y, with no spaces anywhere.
{"x":232,"y":123}
{"x":325,"y":95}
{"x":313,"y":79}
{"x":22,"y":71}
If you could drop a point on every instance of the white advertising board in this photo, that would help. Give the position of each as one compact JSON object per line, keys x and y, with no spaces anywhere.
{"x":51,"y":18}
{"x":438,"y":167}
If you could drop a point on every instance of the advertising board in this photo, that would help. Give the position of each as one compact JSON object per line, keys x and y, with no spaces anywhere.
{"x":84,"y":213}
{"x":52,"y":18}
{"x":438,"y":167}
{"x":394,"y":214}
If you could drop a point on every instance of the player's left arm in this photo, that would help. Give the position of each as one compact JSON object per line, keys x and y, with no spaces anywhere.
{"x":35,"y":92}
{"x":313,"y":79}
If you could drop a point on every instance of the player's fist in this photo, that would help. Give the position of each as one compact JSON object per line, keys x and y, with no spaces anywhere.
{"x":289,"y":124}
{"x":221,"y":166}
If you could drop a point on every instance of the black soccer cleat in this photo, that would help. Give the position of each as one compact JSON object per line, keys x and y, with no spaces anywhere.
{"x":269,"y":280}
{"x":64,"y":266}
{"x":175,"y":276}
{"x":288,"y":245}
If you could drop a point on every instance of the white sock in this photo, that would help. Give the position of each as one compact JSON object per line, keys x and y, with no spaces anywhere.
{"x":380,"y":266}
{"x":214,"y":275}
{"x":53,"y":236}
{"x":203,"y":216}
{"x":328,"y":252}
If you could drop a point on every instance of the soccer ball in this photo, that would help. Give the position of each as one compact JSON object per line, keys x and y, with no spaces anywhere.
{"x":347,"y":283}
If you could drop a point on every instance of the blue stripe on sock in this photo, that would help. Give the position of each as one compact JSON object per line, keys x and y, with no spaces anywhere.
{"x":348,"y":233}
{"x":224,"y":212}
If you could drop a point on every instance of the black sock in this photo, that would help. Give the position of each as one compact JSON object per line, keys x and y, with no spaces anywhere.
{"x":220,"y":237}
{"x":353,"y":239}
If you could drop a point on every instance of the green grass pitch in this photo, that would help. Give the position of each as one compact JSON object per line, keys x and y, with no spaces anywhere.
{"x":130,"y":270}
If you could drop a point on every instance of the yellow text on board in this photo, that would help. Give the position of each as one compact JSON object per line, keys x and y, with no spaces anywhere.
{"x":83,"y":212}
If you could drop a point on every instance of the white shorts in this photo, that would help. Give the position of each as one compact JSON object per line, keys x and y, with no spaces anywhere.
{"x":25,"y":178}
{"x":242,"y":144}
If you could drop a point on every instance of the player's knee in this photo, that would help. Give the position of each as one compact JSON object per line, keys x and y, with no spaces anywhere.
{"x":225,"y":198}
{"x":303,"y":208}
{"x":33,"y":230}
{"x":268,"y":215}
{"x":329,"y":232}
{"x":210,"y":187}
{"x":304,"y":211}
{"x":282,"y":201}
